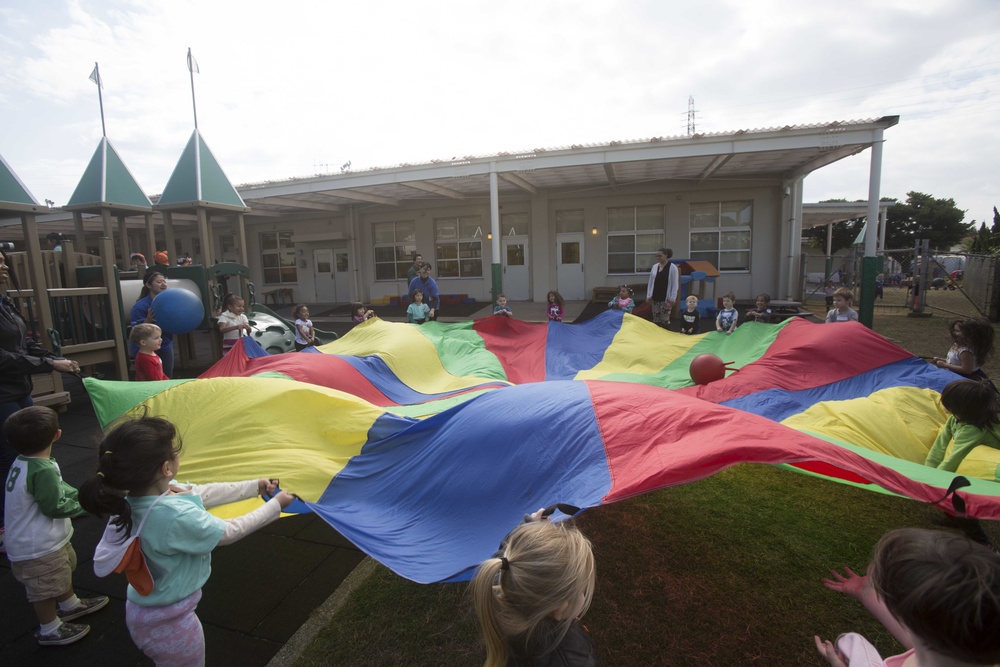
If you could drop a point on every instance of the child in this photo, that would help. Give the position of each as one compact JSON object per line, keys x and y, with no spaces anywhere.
{"x":232,"y":322}
{"x":690,"y":318}
{"x":502,"y":308}
{"x":556,"y":306}
{"x":880,"y":285}
{"x":148,"y":365}
{"x":727,"y":317}
{"x":418,"y":311}
{"x":623,"y":301}
{"x":842,"y":311}
{"x":972,"y":344}
{"x":761,"y":312}
{"x":305,"y":335}
{"x":39,"y":505}
{"x":135,"y":484}
{"x":934,"y":591}
{"x":974,"y":407}
{"x":829,"y":291}
{"x":530,"y":597}
{"x":361,"y":314}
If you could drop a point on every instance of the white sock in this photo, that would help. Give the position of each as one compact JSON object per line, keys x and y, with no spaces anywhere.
{"x":69,"y":604}
{"x":50,"y":628}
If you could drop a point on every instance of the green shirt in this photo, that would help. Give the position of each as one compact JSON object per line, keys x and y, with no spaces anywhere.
{"x":966,"y":436}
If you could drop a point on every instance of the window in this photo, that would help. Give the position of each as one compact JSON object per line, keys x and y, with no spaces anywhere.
{"x":278,"y":258}
{"x":720,"y":234}
{"x":569,"y":221}
{"x":458,"y":247}
{"x":635,"y":233}
{"x":395,"y":245}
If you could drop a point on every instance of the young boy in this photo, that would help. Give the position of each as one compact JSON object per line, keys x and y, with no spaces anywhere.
{"x":418,"y":311}
{"x":726,"y":320}
{"x":934,"y":591}
{"x":690,"y":318}
{"x":842,"y":311}
{"x":38,"y":528}
{"x":502,"y":308}
{"x":148,"y":366}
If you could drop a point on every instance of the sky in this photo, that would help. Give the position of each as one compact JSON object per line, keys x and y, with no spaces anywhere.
{"x":300,"y":88}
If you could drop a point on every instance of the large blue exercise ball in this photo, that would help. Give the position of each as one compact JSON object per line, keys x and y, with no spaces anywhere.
{"x":178,"y":311}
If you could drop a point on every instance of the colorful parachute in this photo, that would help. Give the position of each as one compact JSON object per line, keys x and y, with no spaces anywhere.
{"x":425,"y":445}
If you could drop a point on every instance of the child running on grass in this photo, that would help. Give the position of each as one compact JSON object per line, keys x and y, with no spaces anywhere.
{"x":937,"y":593}
{"x":530,"y":596}
{"x":136,"y":484}
{"x":39,"y":505}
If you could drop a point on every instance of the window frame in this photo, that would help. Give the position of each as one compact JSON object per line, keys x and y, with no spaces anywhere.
{"x":634,"y":233}
{"x":459,"y":250}
{"x":287,"y":252}
{"x":715,"y":256}
{"x":403,"y":250}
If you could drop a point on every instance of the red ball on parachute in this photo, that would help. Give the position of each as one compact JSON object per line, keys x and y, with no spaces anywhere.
{"x":707,"y":368}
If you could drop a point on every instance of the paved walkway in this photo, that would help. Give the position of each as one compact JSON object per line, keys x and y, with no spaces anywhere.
{"x":261,"y":591}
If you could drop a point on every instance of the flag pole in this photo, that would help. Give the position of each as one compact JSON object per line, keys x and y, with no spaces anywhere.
{"x":192,"y":66}
{"x":100,"y":98}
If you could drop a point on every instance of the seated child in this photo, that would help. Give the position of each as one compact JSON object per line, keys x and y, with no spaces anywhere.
{"x":502,"y":308}
{"x":418,"y":311}
{"x":761,"y":312}
{"x":690,"y":318}
{"x":623,"y":301}
{"x":360,"y":313}
{"x":842,"y":311}
{"x":148,"y":365}
{"x":39,"y":505}
{"x":727,"y":318}
{"x":934,"y":591}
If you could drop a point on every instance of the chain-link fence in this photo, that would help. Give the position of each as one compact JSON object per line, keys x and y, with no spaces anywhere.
{"x":911,"y":280}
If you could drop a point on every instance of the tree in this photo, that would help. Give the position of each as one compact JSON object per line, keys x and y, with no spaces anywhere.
{"x":924,"y":217}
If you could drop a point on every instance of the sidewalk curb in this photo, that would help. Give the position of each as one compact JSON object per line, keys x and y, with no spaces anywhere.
{"x":295,"y":647}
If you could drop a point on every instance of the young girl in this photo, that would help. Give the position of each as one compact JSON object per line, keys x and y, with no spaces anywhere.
{"x":360,"y":312}
{"x":972,"y":344}
{"x":418,"y":311}
{"x":305,"y":335}
{"x":530,"y":597}
{"x":727,"y":317}
{"x":142,"y":312}
{"x":842,"y":311}
{"x":934,"y":591}
{"x":974,"y":406}
{"x":556,"y":306}
{"x":761,"y":312}
{"x":135,"y":484}
{"x":147,"y":338}
{"x":623,"y":301}
{"x":232,"y":322}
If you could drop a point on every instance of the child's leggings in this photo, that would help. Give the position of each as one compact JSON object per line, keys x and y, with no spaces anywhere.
{"x":171,"y":635}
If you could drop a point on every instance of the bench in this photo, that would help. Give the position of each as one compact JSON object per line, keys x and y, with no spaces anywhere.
{"x":278,"y":296}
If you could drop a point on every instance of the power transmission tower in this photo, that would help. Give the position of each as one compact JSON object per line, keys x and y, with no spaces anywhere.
{"x":691,"y":112}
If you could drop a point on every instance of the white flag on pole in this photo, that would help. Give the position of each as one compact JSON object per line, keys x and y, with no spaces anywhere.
{"x":95,"y":76}
{"x":192,"y":64}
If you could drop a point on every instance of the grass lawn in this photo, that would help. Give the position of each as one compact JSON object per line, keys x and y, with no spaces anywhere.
{"x":724,"y":571}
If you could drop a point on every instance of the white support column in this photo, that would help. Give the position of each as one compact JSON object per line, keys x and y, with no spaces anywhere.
{"x":874,"y":183}
{"x":495,"y":213}
{"x":795,"y":242}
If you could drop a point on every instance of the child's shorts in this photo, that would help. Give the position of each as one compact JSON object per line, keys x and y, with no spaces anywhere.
{"x":47,"y":577}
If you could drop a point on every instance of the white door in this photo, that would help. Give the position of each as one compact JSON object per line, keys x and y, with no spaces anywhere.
{"x":516,"y":281}
{"x":342,"y":274}
{"x":326,"y":286}
{"x":569,"y":266}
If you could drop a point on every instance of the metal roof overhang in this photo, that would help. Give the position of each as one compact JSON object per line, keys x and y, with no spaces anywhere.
{"x":777,"y":155}
{"x":828,"y":213}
